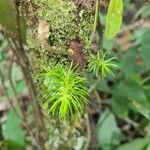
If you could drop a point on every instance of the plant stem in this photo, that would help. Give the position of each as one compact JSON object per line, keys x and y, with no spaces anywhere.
{"x":88,"y":132}
{"x":145,"y":80}
{"x":96,"y":16}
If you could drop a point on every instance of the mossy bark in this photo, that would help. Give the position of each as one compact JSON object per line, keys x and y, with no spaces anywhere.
{"x":59,"y":31}
{"x":54,"y":24}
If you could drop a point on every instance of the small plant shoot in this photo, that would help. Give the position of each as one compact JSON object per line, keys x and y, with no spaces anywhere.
{"x":99,"y":64}
{"x":65,"y":92}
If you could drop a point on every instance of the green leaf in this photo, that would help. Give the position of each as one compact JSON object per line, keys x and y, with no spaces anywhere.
{"x":102,"y":86}
{"x":2,"y":56}
{"x":9,"y":145}
{"x":10,"y":92}
{"x":12,"y":130}
{"x":137,"y":144}
{"x":108,"y":44}
{"x":145,"y":11}
{"x":128,"y":63}
{"x":145,"y":51}
{"x":146,"y":91}
{"x":148,"y":147}
{"x":114,"y":18}
{"x":135,"y":97}
{"x":108,"y":137}
{"x":120,"y":102}
{"x":20,"y":86}
{"x":3,"y":45}
{"x":16,"y":73}
{"x":7,"y":16}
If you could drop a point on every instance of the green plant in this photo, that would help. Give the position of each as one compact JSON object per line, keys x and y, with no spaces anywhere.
{"x":62,"y":18}
{"x":65,"y":91}
{"x":14,"y":136}
{"x":114,"y":18}
{"x":100,"y":64}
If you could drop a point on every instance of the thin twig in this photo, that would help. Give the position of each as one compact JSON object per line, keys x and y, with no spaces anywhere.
{"x":134,"y":25}
{"x":88,"y":132}
{"x":96,"y":16}
{"x":145,"y":80}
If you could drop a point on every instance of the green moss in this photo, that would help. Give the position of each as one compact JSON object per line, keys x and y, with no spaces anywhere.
{"x":66,"y":22}
{"x":63,"y":21}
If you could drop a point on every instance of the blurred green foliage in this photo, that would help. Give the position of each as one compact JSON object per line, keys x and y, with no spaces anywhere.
{"x":128,"y":92}
{"x":7,"y":15}
{"x":14,"y":136}
{"x":109,"y":137}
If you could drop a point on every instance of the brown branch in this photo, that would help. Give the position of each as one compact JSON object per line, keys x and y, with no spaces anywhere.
{"x":88,"y":132}
{"x":19,"y":52}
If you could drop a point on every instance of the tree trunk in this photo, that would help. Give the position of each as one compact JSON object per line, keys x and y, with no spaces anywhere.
{"x":57,"y":31}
